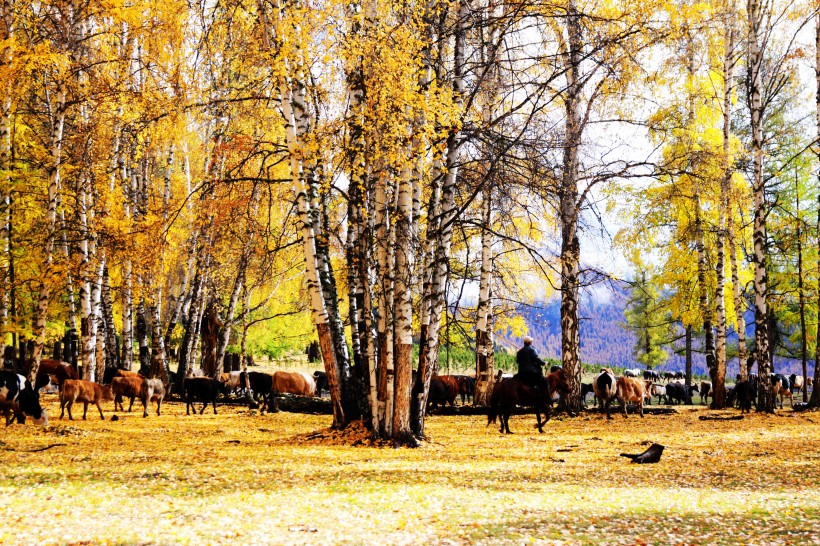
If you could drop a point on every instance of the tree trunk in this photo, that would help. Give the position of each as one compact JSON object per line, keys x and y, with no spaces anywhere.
{"x":815,"y":393}
{"x":688,"y":372}
{"x":568,"y":211}
{"x":705,"y":308}
{"x":739,"y":300}
{"x":294,"y":110}
{"x":54,"y":171}
{"x":719,"y":383}
{"x":402,"y":431}
{"x":6,"y":58}
{"x":485,"y":371}
{"x":442,"y":233}
{"x":765,"y":400}
{"x":801,"y":295}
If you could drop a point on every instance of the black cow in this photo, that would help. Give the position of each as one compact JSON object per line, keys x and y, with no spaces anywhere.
{"x":321,"y":382}
{"x":261,"y":384}
{"x":19,"y":399}
{"x":586,"y":388}
{"x":202,"y":389}
{"x":555,"y":368}
{"x":676,"y":392}
{"x":745,"y":393}
{"x":651,"y":375}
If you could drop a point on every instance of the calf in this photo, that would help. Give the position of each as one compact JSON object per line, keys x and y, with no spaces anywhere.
{"x":152,"y":390}
{"x":201,"y":389}
{"x":87,"y":392}
{"x":782,"y":387}
{"x":705,"y":390}
{"x":19,"y":399}
{"x":630,"y":389}
{"x":604,"y":388}
{"x":128,"y":387}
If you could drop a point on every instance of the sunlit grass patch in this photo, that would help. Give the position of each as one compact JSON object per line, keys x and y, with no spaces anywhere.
{"x":242,"y":478}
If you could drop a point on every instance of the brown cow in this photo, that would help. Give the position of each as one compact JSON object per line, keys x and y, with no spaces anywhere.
{"x":298,"y":383}
{"x":51,"y":370}
{"x":152,"y":390}
{"x":126,"y":386}
{"x":630,"y":389}
{"x":87,"y":392}
{"x":451,"y":388}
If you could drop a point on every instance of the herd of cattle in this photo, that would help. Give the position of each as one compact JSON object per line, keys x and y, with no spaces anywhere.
{"x":18,"y":398}
{"x":639,"y":387}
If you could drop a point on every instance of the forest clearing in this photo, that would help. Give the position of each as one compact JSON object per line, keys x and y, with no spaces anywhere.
{"x":243,"y":478}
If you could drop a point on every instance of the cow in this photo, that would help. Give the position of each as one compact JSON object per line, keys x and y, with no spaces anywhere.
{"x":668,"y":376}
{"x":87,"y":392}
{"x":110,"y":373}
{"x":651,"y":375}
{"x":298,"y":383}
{"x":128,"y":387}
{"x":50,"y":370}
{"x":201,"y":389}
{"x":437,"y":395}
{"x":452,"y":388}
{"x":466,"y":387}
{"x":322,"y":383}
{"x":18,"y":399}
{"x":781,"y":387}
{"x":152,"y":390}
{"x":632,"y":372}
{"x":604,"y":388}
{"x":745,"y":393}
{"x":232,"y":381}
{"x":809,"y":382}
{"x":555,"y":367}
{"x":705,"y":391}
{"x":660,"y":392}
{"x":196,"y":372}
{"x":261,"y":384}
{"x":647,"y":392}
{"x":796,"y":383}
{"x":630,"y":389}
{"x":586,"y":388}
{"x":677,"y":392}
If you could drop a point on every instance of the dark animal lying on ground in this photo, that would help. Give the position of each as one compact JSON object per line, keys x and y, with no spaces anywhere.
{"x":651,"y":455}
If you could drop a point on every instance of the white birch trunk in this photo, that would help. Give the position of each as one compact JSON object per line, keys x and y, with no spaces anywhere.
{"x":294,"y":110}
{"x":755,"y":79}
{"x":58,"y":122}
{"x":6,"y":58}
{"x":484,"y":334}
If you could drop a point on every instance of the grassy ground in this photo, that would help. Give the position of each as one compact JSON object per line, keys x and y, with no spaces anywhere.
{"x":242,"y":478}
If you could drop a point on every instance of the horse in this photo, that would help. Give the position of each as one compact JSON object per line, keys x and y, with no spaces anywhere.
{"x":509,"y":393}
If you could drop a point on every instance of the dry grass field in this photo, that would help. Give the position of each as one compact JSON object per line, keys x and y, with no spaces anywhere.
{"x":243,"y":478}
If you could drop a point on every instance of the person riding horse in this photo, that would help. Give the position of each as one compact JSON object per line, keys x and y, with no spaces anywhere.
{"x":529,"y":369}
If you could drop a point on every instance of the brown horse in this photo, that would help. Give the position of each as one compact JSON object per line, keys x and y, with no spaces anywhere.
{"x":509,"y":393}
